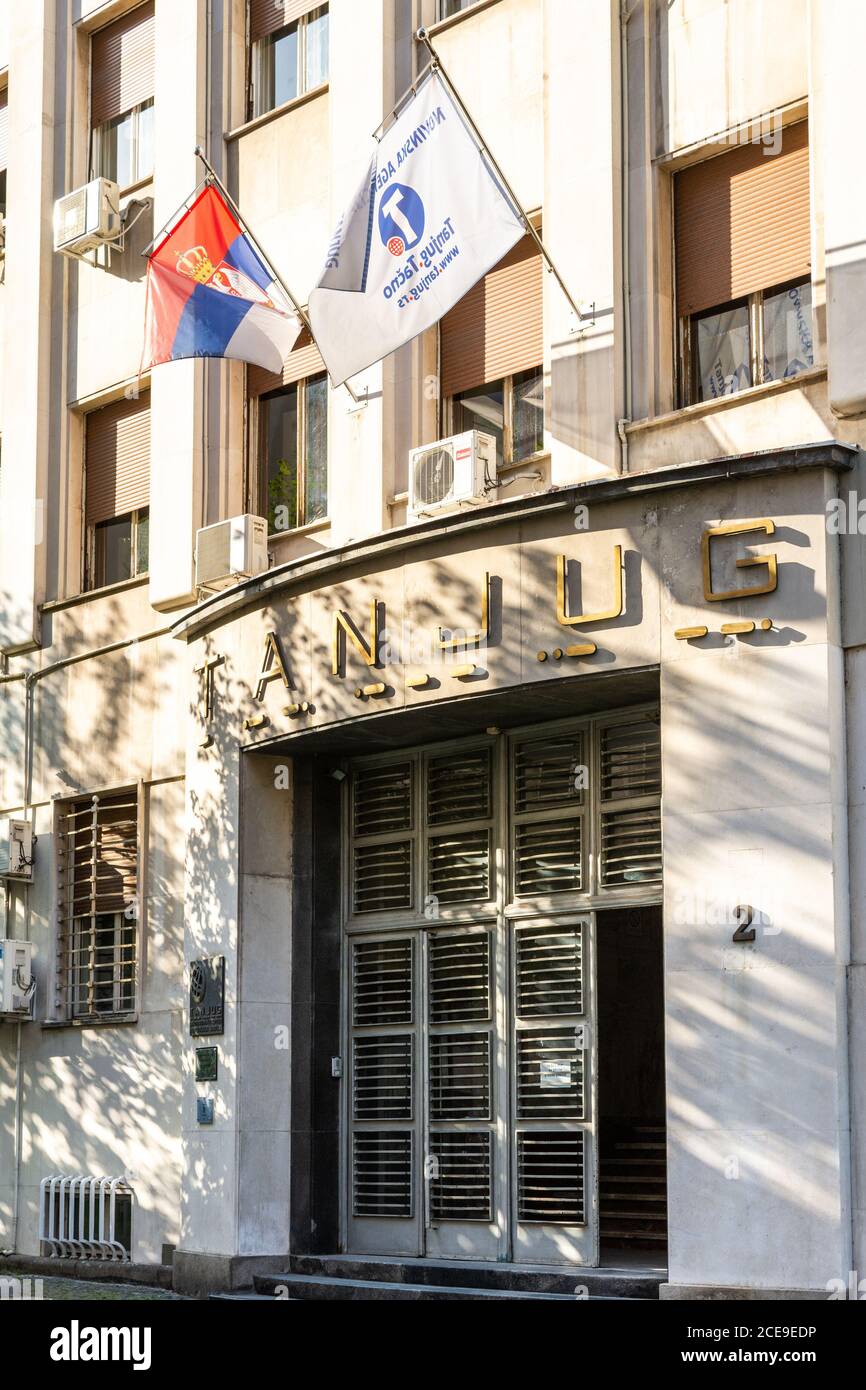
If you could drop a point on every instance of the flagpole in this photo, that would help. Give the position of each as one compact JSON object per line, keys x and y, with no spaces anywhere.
{"x":301,"y":313}
{"x":422,"y":36}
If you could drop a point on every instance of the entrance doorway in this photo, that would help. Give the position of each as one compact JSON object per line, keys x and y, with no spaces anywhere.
{"x":475,"y":876}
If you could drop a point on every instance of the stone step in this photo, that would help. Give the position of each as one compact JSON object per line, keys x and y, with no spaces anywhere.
{"x":319,"y":1288}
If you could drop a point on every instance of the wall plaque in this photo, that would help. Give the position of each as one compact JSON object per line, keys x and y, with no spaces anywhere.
{"x":207,"y":979}
{"x":206,"y":1063}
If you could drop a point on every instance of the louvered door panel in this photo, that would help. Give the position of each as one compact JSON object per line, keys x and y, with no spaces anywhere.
{"x":550,"y":1177}
{"x":630,"y":805}
{"x":461,"y":1188}
{"x":549,"y":971}
{"x":459,"y":1077}
{"x":382,"y":799}
{"x":458,"y":867}
{"x":546,"y":773}
{"x":548,"y":780}
{"x":382,"y":877}
{"x":382,"y":976}
{"x":459,"y":787}
{"x":382,"y":1077}
{"x":382,"y":1174}
{"x":459,"y":978}
{"x":550,"y":1074}
{"x":547,"y":858}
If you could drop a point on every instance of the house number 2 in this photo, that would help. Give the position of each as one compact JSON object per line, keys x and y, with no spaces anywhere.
{"x":745,"y":931}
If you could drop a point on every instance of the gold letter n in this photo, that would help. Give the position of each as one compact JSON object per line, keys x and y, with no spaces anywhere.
{"x":344,"y":627}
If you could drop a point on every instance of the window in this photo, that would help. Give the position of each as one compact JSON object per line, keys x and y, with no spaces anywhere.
{"x":289,"y":439}
{"x":449,"y":7}
{"x":121,"y":98}
{"x":4,"y":147}
{"x":117,"y":492}
{"x":97,"y":876}
{"x":491,"y":351}
{"x":744,"y":293}
{"x":289,"y":51}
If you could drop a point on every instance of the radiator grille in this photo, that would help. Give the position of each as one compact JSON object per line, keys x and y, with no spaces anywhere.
{"x":382,"y":982}
{"x":382,"y":879}
{"x":549,"y":971}
{"x":382,"y":799}
{"x":382,"y":1077}
{"x":382,"y":1173}
{"x":550,"y":1177}
{"x":462,"y":1189}
{"x":546,"y":773}
{"x":460,"y":1076}
{"x":459,"y":787}
{"x":550,"y":1074}
{"x":460,"y":978}
{"x":547,"y":858}
{"x":459,"y":866}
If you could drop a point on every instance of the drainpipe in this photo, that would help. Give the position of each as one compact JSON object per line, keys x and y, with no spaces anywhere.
{"x":626,"y":13}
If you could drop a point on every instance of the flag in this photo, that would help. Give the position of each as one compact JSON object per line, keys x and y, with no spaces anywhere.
{"x":428,"y":221}
{"x":210,"y":295}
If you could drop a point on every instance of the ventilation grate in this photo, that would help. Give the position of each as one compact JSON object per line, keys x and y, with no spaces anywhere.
{"x":631,"y":847}
{"x":382,"y":1077}
{"x":460,"y":1076}
{"x":546,"y":773}
{"x":547,"y":858}
{"x":550,"y":1074}
{"x":550,"y":1177}
{"x":460,"y":978}
{"x":459,"y":866}
{"x":382,"y":1173}
{"x":630,"y":761}
{"x":458,"y":787}
{"x":382,"y":879}
{"x":382,"y":799}
{"x":382,"y":982}
{"x":549,"y":971}
{"x":461,"y":1188}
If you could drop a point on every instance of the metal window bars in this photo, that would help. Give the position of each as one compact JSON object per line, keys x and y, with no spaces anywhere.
{"x":80,"y":1216}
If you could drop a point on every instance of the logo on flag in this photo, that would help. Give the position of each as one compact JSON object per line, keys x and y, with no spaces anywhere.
{"x":443,"y":218}
{"x":209,"y":293}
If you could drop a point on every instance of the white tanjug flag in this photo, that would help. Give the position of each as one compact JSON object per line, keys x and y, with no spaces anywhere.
{"x":429,"y":220}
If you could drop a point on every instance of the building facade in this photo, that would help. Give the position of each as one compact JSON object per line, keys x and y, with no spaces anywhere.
{"x":509,"y":855}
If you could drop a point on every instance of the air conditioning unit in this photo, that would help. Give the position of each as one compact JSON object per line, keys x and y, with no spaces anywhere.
{"x":16,"y":849}
{"x":443,"y":475}
{"x":231,"y":550}
{"x":16,"y":978}
{"x":87,"y":218}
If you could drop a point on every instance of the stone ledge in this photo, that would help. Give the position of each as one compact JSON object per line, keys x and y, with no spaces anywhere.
{"x":717,"y":1293}
{"x":110,"y":1271}
{"x":199,"y":1274}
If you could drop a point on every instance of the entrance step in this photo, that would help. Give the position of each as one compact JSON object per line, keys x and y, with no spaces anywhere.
{"x":314,"y":1288}
{"x":454,"y":1279}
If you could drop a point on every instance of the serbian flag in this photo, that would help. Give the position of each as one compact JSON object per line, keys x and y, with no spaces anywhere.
{"x":209,"y":294}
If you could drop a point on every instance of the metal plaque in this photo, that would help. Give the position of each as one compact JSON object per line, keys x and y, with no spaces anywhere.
{"x":206,"y":1063}
{"x":207,"y":980}
{"x":204,"y":1110}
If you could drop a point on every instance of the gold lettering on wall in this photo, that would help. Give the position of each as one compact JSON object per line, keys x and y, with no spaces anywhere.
{"x":573,"y":620}
{"x":273,"y":666}
{"x":471,"y":639}
{"x":342,"y":628}
{"x":769,"y":562}
{"x":207,"y":694}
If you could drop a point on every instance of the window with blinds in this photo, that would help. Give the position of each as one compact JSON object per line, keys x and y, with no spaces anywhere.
{"x":492,"y":350}
{"x":121,"y":97}
{"x":743,"y":263}
{"x":117,"y":491}
{"x":97,"y":889}
{"x":288,"y":51}
{"x":4,"y":147}
{"x":289,"y":438}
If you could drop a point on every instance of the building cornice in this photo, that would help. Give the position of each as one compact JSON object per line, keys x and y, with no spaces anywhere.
{"x":330,"y":564}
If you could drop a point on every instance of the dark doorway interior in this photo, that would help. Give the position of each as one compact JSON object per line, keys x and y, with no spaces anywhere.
{"x":631,"y":1083}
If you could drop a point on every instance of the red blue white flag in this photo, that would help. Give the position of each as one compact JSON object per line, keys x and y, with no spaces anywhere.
{"x":210,"y":295}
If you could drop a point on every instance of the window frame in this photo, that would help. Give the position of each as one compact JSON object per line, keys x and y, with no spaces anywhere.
{"x":451,"y":404}
{"x":97,"y":140}
{"x":91,"y":584}
{"x":687,"y":345}
{"x":256,"y":50}
{"x":258,"y":488}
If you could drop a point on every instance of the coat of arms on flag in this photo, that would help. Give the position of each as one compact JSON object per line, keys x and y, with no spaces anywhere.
{"x":209,"y":294}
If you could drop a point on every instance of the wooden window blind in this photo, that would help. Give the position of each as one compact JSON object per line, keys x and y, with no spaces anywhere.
{"x":121,"y":65}
{"x":304,"y":360}
{"x":117,"y":460}
{"x":97,"y":886}
{"x":496,"y":330}
{"x":266,"y":16}
{"x":4,"y":129}
{"x":742,"y":222}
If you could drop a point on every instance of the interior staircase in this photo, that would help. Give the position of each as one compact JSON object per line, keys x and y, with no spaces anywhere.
{"x":633,"y":1186}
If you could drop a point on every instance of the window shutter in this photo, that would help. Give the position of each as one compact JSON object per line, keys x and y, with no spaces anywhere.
{"x":630,"y":796}
{"x":117,"y":460}
{"x":4,"y":129}
{"x":742,"y":222}
{"x":121,"y":65}
{"x":266,"y":16}
{"x":496,"y":329}
{"x":303,"y":361}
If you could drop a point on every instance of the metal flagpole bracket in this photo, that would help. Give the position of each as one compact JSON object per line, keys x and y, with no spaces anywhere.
{"x":214,"y":178}
{"x":583,"y":317}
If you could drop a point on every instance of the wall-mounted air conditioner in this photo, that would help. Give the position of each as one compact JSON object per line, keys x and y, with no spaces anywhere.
{"x":230,"y":551}
{"x":87,"y":218}
{"x":16,"y":978}
{"x":16,"y":849}
{"x":451,"y":471}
